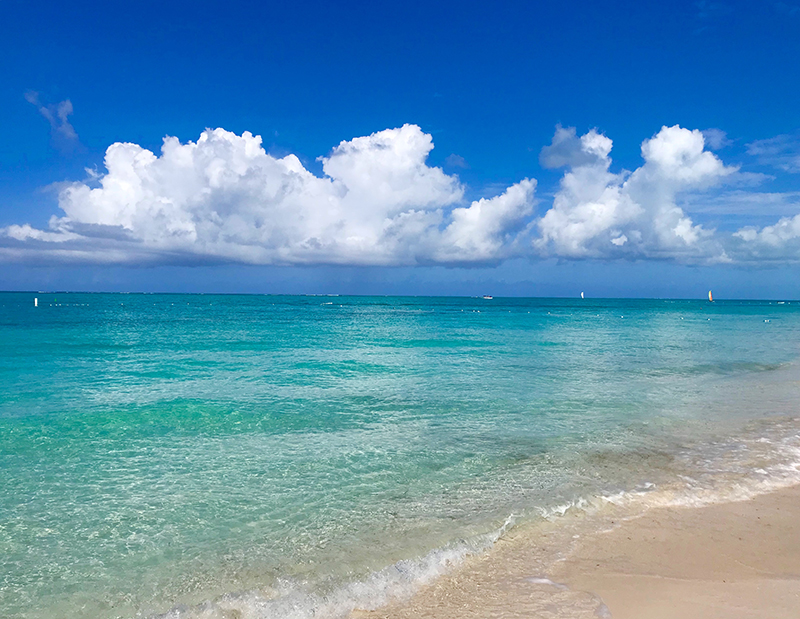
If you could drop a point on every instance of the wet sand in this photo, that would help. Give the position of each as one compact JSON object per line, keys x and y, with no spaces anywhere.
{"x":733,"y":560}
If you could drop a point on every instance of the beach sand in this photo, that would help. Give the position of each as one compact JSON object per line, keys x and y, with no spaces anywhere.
{"x":730,"y":560}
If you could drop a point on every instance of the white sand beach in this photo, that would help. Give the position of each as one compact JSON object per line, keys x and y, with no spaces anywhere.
{"x":736,"y":560}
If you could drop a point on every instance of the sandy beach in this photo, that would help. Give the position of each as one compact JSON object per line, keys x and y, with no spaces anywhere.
{"x":738,"y":560}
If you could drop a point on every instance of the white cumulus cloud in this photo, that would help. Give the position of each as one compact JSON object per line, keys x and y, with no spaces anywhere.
{"x":224,"y":198}
{"x":600,"y":214}
{"x":489,"y":229}
{"x":779,"y":242}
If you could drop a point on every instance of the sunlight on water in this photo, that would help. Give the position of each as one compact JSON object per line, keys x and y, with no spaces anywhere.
{"x":158,"y":451}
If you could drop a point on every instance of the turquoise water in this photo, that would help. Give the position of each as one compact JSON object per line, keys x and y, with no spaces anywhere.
{"x":280,"y":456}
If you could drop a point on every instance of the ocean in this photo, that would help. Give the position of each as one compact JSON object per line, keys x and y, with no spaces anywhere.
{"x":248,"y":456}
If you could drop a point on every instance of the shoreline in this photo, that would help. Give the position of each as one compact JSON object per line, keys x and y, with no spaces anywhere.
{"x":732,"y":560}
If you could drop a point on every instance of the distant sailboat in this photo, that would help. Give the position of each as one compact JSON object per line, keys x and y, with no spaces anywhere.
{"x":710,"y":298}
{"x":582,"y":296}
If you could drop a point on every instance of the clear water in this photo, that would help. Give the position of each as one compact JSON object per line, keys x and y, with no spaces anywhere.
{"x":196,"y":453}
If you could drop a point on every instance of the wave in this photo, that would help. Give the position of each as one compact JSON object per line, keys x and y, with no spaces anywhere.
{"x":765,"y":462}
{"x":293,"y":600}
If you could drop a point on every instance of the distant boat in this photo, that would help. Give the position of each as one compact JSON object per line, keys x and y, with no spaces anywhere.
{"x":488,"y":297}
{"x":710,"y":298}
{"x":582,"y":296}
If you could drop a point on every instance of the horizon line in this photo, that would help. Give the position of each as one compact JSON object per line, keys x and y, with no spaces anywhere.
{"x":410,"y":296}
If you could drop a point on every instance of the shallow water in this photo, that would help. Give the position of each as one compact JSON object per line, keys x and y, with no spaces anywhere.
{"x":299,"y":456}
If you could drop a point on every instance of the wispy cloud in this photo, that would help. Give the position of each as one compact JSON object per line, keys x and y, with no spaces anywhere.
{"x":782,"y":152}
{"x":749,"y":203}
{"x":716,"y":139}
{"x":456,"y":161}
{"x":62,"y":133}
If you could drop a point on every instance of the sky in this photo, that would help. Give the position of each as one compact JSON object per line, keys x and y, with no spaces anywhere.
{"x":460,"y":148}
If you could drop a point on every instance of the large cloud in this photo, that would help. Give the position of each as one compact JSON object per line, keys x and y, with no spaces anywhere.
{"x":225,"y":199}
{"x":600,"y":214}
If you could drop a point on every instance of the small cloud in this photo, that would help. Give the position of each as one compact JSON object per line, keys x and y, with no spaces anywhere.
{"x":716,"y":139}
{"x":92,"y":173}
{"x":567,"y":149}
{"x":749,"y":179}
{"x":62,"y":133}
{"x":782,"y":152}
{"x":456,"y":161}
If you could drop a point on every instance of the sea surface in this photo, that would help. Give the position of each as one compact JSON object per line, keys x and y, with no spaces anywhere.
{"x":223,"y":456}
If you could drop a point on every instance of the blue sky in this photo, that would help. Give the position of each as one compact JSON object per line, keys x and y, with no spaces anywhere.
{"x":382,"y":127}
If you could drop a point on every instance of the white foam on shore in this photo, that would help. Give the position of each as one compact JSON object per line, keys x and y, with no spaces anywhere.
{"x":289,"y":600}
{"x":722,"y":481}
{"x":719,"y":482}
{"x":535,"y":580}
{"x":741,"y":482}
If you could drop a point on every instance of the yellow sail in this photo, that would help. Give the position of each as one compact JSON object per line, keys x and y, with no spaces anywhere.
{"x":710,"y":298}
